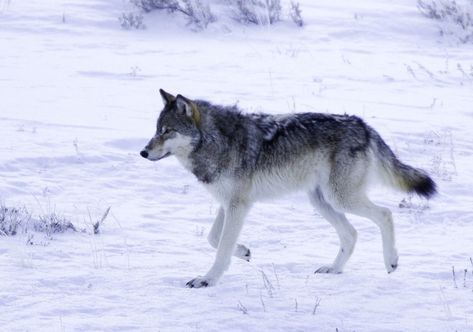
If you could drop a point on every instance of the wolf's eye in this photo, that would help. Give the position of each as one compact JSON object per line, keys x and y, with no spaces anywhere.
{"x":166,"y":130}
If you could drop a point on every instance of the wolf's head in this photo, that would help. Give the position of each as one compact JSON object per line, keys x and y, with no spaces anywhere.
{"x":177,"y":130}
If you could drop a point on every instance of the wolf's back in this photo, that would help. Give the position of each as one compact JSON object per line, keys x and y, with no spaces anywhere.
{"x":398,"y":174}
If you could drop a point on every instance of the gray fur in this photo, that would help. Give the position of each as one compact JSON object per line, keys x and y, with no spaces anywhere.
{"x":243,"y":157}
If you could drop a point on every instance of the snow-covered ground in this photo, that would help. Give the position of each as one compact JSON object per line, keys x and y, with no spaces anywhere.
{"x":78,"y":100}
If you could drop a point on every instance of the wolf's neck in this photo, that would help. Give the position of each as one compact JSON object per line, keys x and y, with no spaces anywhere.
{"x":185,"y":161}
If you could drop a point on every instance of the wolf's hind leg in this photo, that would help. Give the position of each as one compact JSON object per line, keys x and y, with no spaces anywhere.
{"x":360,"y":205}
{"x":346,"y":233}
{"x":215,"y":233}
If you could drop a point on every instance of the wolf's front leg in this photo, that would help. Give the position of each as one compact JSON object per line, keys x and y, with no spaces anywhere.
{"x":216,"y":232}
{"x":234,"y":217}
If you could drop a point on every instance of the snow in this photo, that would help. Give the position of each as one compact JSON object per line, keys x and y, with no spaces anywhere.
{"x":79,"y":99}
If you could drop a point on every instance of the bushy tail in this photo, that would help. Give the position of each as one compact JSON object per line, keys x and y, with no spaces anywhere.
{"x":401,"y":176}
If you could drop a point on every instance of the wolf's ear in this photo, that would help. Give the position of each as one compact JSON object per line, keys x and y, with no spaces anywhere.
{"x":188,"y":108}
{"x":167,"y":97}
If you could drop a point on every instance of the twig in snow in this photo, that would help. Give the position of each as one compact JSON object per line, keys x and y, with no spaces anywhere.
{"x":262,"y":302}
{"x":267,"y":284}
{"x":13,"y":220}
{"x":465,"y":271}
{"x":317,"y":303}
{"x":428,"y":72}
{"x":471,"y":261}
{"x":454,"y":277}
{"x":198,"y":13}
{"x":256,"y":11}
{"x":295,"y":14}
{"x":243,"y":309}
{"x":99,"y":222}
{"x":411,"y":71}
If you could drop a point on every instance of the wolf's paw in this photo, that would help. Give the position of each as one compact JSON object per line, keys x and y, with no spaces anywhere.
{"x":391,"y":264}
{"x":200,"y":282}
{"x":328,"y":269}
{"x":392,"y":268}
{"x":243,"y":252}
{"x":247,"y":255}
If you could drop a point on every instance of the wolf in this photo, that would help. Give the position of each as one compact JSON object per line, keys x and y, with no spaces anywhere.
{"x":241,"y":158}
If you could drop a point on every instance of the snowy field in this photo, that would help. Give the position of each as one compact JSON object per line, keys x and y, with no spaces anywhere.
{"x":79,"y":99}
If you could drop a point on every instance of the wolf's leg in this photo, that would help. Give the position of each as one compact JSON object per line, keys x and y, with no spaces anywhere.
{"x":346,"y":232}
{"x":381,"y":216}
{"x":235,"y":214}
{"x":216,"y":231}
{"x":347,"y":184}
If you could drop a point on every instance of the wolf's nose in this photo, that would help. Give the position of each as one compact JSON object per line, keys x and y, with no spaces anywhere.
{"x":144,"y":154}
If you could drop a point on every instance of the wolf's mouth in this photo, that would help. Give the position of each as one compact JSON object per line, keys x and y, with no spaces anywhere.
{"x":163,"y":156}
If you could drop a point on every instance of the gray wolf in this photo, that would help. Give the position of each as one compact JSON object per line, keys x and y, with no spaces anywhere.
{"x":242,"y":158}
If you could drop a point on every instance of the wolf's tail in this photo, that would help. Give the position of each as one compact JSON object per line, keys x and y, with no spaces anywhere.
{"x":398,"y":174}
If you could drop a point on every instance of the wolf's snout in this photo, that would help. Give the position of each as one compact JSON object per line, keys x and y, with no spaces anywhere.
{"x":144,"y":154}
